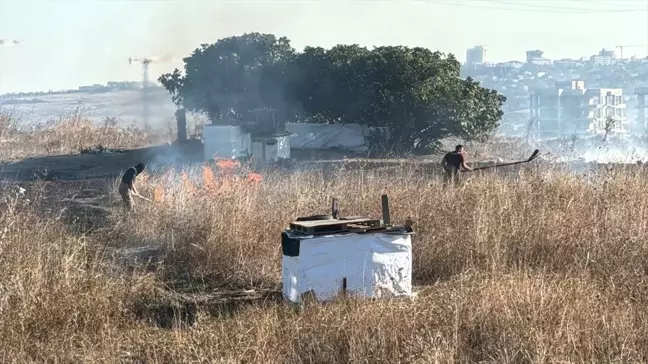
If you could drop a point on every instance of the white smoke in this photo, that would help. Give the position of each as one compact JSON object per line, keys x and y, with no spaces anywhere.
{"x":616,"y":149}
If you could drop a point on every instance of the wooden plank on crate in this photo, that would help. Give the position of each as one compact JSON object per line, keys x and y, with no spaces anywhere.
{"x":333,"y":227}
{"x":313,"y":223}
{"x":319,"y":230}
{"x":364,"y":229}
{"x":317,"y":227}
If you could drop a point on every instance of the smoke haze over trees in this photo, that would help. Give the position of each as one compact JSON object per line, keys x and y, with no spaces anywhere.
{"x":414,"y":95}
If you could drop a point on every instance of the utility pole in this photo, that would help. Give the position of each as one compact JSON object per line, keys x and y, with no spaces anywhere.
{"x":181,"y":121}
{"x":146,"y":91}
{"x":6,"y":43}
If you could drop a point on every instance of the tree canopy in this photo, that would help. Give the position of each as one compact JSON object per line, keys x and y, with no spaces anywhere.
{"x":414,"y":96}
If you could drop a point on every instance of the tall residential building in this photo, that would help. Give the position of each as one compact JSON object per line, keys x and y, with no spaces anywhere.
{"x":475,"y":55}
{"x":535,"y":57}
{"x":534,"y":54}
{"x":604,"y":58}
{"x":570,"y":108}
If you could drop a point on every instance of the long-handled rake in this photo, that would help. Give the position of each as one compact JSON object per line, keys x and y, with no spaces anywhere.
{"x":533,"y":156}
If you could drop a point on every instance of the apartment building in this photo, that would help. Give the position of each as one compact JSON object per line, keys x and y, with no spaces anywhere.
{"x":475,"y":55}
{"x":604,"y":58}
{"x":570,"y":108}
{"x":534,"y":54}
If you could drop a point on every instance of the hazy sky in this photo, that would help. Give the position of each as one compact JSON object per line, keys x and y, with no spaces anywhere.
{"x":75,"y":42}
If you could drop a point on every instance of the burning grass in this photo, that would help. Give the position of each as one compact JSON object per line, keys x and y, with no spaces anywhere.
{"x":525,"y":269}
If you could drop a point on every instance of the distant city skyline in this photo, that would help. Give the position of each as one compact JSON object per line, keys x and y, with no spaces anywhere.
{"x":69,"y":43}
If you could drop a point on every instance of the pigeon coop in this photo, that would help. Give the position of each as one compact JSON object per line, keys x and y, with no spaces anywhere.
{"x":326,"y":255}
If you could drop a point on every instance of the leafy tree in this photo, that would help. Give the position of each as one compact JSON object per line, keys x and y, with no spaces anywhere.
{"x":413,"y":96}
{"x":311,"y":79}
{"x":609,"y":125}
{"x":232,"y":76}
{"x":326,"y":83}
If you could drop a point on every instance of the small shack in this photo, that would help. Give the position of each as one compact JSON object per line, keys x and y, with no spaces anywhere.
{"x":225,"y":141}
{"x":270,"y":141}
{"x":327,"y":256}
{"x":270,"y":148}
{"x":255,"y":133}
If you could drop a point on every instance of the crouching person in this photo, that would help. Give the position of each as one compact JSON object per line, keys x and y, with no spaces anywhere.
{"x":127,"y":186}
{"x":453,"y":163}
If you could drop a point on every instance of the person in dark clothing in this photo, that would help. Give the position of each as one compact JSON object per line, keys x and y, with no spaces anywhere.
{"x":452,"y":163}
{"x":127,"y":186}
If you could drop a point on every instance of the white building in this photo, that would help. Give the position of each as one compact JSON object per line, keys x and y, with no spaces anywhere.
{"x":566,"y":62}
{"x":569,"y":108}
{"x":233,"y":141}
{"x":535,"y":57}
{"x":534,"y":54}
{"x":603,"y":58}
{"x":475,"y":55}
{"x":541,"y":61}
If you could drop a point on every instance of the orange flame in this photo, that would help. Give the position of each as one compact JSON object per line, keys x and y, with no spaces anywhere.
{"x":209,"y":179}
{"x":188,"y":185}
{"x":255,"y":177}
{"x":158,"y":194}
{"x":227,"y":163}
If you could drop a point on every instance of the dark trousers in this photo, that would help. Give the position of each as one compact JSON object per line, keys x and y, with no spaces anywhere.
{"x":451,"y":177}
{"x":126,"y":195}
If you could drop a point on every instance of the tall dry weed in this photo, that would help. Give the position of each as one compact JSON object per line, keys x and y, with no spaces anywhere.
{"x":68,"y":135}
{"x":559,"y":226}
{"x":56,"y":299}
{"x":536,"y":267}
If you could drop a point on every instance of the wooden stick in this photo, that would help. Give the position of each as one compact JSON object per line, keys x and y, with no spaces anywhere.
{"x":335,"y":208}
{"x":385,"y":210}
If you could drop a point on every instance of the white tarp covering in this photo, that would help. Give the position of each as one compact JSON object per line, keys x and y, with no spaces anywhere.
{"x":258,"y":149}
{"x":327,"y":136}
{"x":271,"y":153}
{"x":283,"y":147}
{"x":374,"y":265}
{"x":225,"y":141}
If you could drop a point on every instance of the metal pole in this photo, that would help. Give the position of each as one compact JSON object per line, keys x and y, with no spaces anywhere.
{"x":145,"y":92}
{"x":181,"y":121}
{"x":6,"y":43}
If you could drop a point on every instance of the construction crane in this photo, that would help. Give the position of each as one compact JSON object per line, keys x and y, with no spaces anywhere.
{"x":620,"y":47}
{"x":146,"y":62}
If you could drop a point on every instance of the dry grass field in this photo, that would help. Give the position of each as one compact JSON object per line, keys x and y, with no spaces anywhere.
{"x":517,"y":269}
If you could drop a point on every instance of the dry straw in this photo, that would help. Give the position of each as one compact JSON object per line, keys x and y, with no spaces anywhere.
{"x":517,"y":269}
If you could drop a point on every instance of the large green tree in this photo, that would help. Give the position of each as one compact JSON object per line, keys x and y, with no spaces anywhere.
{"x":232,"y":76}
{"x":413,"y":96}
{"x":326,"y":83}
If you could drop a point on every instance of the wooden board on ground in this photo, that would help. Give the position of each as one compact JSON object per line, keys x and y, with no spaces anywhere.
{"x":318,"y":227}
